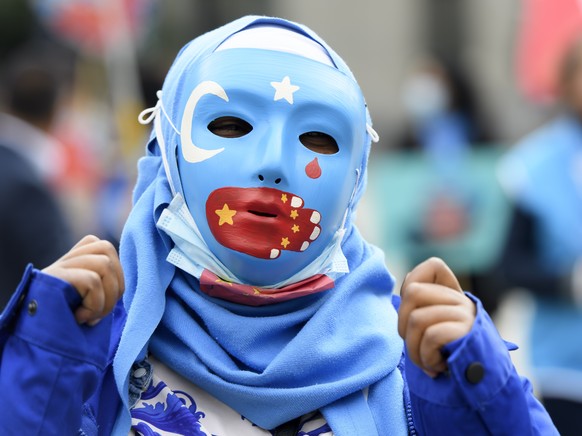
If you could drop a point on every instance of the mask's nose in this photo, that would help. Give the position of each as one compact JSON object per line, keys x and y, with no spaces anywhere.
{"x":274,"y":162}
{"x":268,"y":178}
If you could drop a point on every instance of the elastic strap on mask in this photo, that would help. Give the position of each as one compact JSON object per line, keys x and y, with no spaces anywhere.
{"x":153,"y":113}
{"x":351,"y":202}
{"x":373,"y":134}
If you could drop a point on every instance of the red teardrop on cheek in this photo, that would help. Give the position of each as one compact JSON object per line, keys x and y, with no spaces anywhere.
{"x":312,"y":169}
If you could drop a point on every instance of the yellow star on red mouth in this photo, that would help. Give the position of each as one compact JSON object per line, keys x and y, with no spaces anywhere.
{"x":295,"y":228}
{"x":284,"y":198}
{"x":225,"y":215}
{"x":294,"y":214}
{"x":285,"y":242}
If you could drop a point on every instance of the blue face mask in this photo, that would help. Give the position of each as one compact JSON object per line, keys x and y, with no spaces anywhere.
{"x":266,"y":204}
{"x":255,"y":131}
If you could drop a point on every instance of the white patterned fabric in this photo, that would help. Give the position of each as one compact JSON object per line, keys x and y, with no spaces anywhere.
{"x":170,"y":405}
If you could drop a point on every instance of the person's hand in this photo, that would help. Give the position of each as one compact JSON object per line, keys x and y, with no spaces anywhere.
{"x":433,"y":312}
{"x":92,"y":267}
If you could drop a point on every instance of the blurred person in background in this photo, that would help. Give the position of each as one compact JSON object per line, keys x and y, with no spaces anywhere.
{"x":441,"y":110}
{"x":443,"y":125}
{"x":33,"y":227}
{"x":543,"y":253}
{"x":446,"y":134}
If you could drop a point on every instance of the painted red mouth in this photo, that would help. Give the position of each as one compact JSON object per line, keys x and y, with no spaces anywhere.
{"x":263,"y":214}
{"x":261,"y":222}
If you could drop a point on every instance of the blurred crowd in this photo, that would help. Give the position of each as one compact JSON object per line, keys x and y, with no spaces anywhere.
{"x":505,"y":211}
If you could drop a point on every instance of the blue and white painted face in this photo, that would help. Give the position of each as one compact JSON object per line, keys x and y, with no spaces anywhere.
{"x":270,"y":153}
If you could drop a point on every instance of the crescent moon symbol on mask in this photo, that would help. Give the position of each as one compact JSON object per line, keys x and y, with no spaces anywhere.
{"x":190,"y":151}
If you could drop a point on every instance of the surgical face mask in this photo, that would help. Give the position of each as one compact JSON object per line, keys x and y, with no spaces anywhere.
{"x":192,"y":255}
{"x":266,"y":199}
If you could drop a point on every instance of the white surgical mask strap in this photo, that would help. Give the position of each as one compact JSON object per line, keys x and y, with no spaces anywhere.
{"x":373,"y":134}
{"x":147,"y":115}
{"x":153,"y":113}
{"x":343,"y":225}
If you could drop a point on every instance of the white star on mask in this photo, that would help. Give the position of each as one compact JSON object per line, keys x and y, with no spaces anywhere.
{"x":284,"y":90}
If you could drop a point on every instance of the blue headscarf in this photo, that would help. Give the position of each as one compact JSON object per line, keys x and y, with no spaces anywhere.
{"x":336,"y":351}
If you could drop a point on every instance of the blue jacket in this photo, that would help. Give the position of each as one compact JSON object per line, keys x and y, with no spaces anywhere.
{"x":56,"y":376}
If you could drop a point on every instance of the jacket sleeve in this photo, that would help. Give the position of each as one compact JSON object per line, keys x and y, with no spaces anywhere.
{"x":481,"y":393}
{"x":49,"y":364}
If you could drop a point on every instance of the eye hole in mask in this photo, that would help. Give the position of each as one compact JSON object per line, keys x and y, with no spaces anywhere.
{"x":230,"y":127}
{"x":319,"y":142}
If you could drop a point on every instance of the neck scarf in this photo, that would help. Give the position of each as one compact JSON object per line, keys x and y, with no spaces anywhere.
{"x":336,"y":351}
{"x":293,"y":358}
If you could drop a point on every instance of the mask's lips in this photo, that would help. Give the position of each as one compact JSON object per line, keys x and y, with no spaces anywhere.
{"x":262,"y":214}
{"x":261,"y":221}
{"x":263,"y":207}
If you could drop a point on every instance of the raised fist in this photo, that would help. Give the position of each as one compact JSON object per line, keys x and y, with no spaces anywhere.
{"x":92,"y":267}
{"x":434,"y":312}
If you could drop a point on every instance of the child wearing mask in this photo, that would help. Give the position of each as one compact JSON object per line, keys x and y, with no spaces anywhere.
{"x":252,"y":304}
